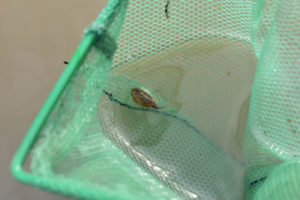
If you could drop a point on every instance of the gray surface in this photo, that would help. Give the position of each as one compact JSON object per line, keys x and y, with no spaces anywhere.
{"x":35,"y":38}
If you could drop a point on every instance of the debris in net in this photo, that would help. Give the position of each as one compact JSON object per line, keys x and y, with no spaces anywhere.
{"x":187,"y":123}
{"x":166,"y":9}
{"x":257,"y":181}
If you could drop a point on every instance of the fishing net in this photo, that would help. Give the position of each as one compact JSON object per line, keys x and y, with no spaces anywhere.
{"x":217,"y":116}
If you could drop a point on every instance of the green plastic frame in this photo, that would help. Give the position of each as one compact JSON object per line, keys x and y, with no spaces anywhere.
{"x":59,"y":184}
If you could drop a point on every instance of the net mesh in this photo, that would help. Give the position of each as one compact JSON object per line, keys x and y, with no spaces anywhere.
{"x":202,"y":63}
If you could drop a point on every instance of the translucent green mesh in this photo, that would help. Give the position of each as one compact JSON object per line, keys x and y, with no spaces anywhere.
{"x":224,"y":77}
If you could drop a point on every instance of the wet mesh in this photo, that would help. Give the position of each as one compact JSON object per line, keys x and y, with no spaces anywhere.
{"x":225,"y":79}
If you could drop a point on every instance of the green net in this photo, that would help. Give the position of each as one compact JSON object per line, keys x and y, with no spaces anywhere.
{"x":217,"y":116}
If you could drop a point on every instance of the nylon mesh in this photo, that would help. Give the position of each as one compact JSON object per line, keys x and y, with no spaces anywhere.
{"x":225,"y":77}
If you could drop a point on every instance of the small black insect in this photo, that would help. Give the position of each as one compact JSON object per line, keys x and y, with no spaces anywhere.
{"x":166,"y":9}
{"x":66,"y":62}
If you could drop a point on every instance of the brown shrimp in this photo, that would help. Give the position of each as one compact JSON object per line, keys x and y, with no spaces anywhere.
{"x":144,"y":99}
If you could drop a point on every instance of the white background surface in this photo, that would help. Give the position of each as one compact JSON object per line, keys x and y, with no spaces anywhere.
{"x":35,"y":38}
